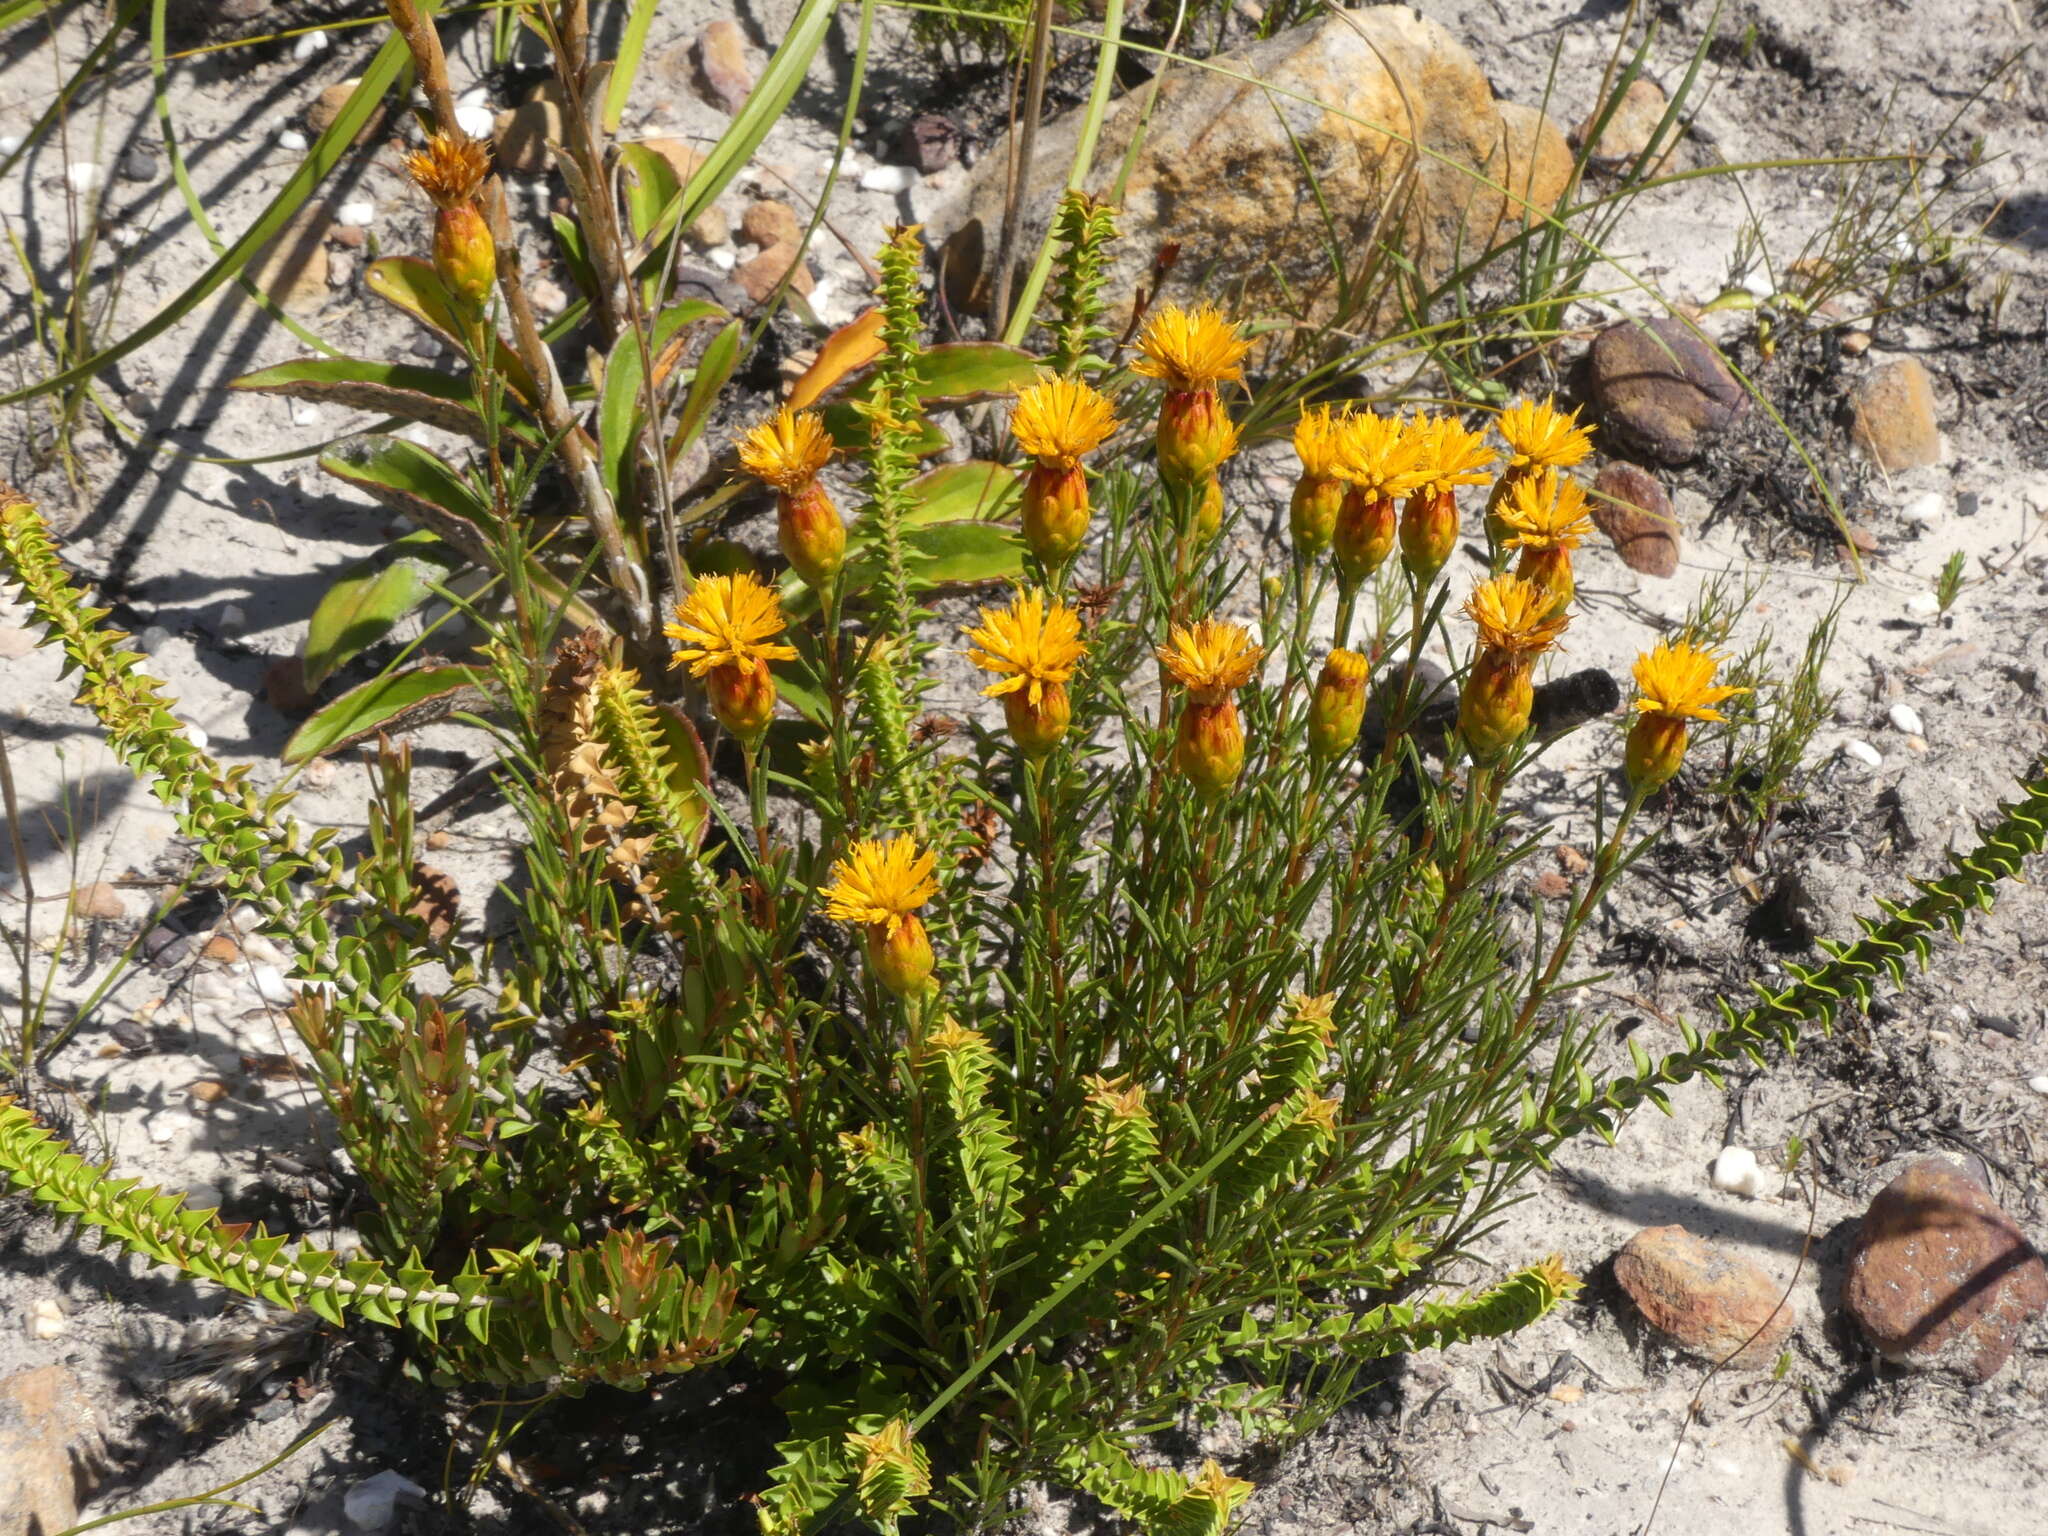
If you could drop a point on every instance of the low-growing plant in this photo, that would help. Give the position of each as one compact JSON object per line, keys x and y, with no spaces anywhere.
{"x":998,"y":1093}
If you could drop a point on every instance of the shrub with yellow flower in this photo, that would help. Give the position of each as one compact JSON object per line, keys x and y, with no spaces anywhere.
{"x":725,"y":627}
{"x":1677,"y":684}
{"x":1319,"y":490}
{"x":1337,"y":709}
{"x":1546,"y":520}
{"x":1448,"y":455}
{"x":1056,"y":422}
{"x":1191,"y":352}
{"x":879,"y":885}
{"x":1380,"y":462}
{"x":451,"y":170}
{"x":787,"y":452}
{"x":1539,"y":437}
{"x":1515,"y":626}
{"x":1032,"y":646}
{"x":1212,"y":659}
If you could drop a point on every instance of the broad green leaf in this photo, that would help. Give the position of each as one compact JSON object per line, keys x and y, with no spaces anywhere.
{"x":412,"y":285}
{"x":714,"y":369}
{"x":649,"y":183}
{"x":959,"y":372}
{"x":619,"y":411}
{"x":944,"y":554}
{"x":370,"y":597}
{"x":399,"y":389}
{"x":849,"y":431}
{"x":575,"y":252}
{"x":689,"y":765}
{"x":400,"y":702}
{"x":975,"y":490}
{"x":419,"y":483}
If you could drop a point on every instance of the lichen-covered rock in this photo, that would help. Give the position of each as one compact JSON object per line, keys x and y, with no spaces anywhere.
{"x":1939,"y":1277}
{"x":1221,"y":166}
{"x":1715,"y":1303}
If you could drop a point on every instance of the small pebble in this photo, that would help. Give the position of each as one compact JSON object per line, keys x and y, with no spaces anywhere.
{"x":231,"y":617}
{"x":9,"y":143}
{"x":1757,"y":281}
{"x":138,"y":164}
{"x":1863,"y":752}
{"x":892,"y":179}
{"x":1923,"y":605}
{"x":372,"y":1504}
{"x":294,"y":141}
{"x":130,"y":1035}
{"x":304,"y":413}
{"x":1905,"y":718}
{"x":1926,"y":509}
{"x":476,"y":121}
{"x":202,"y":1197}
{"x":1736,"y":1170}
{"x":309,"y":45}
{"x":259,"y":949}
{"x":2039,"y":1084}
{"x":164,"y":1128}
{"x":46,"y":1320}
{"x":153,"y":638}
{"x":724,"y":257}
{"x":271,"y":986}
{"x":196,"y":734}
{"x":82,"y":176}
{"x":356,"y":215}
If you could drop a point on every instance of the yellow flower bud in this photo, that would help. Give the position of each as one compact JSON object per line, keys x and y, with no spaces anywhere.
{"x":1055,"y":511}
{"x":1498,"y":530}
{"x":1655,"y":750}
{"x":1550,"y":569}
{"x":812,"y":537}
{"x":1365,"y":534}
{"x":1429,"y":532}
{"x":1312,"y":513}
{"x":464,"y":255}
{"x":900,"y":954}
{"x":1038,"y":724}
{"x":1195,"y":435}
{"x":1210,"y":749}
{"x":1338,"y":708}
{"x":1209,"y":511}
{"x":1493,"y":711}
{"x":742,"y":696}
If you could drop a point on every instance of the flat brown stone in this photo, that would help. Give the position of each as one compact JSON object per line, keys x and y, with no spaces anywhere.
{"x":1662,"y":388}
{"x":1631,"y":508}
{"x":1891,"y":416}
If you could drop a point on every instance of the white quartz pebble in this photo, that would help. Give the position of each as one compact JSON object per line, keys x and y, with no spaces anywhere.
{"x":1904,"y":717}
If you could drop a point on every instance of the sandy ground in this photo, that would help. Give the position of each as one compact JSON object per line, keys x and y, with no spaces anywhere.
{"x":221,"y":562}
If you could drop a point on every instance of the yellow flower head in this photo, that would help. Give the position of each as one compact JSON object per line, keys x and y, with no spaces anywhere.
{"x":1677,"y":681}
{"x":1451,"y":454}
{"x":788,"y":450}
{"x":881,"y":883}
{"x":1190,"y":349}
{"x":1546,"y":511}
{"x":450,"y":169}
{"x":1381,"y":456}
{"x":1514,"y":616}
{"x":1058,"y":420}
{"x":1542,"y":436}
{"x":1319,"y":442}
{"x":1030,"y":644}
{"x":1212,"y":659}
{"x":727,"y":621}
